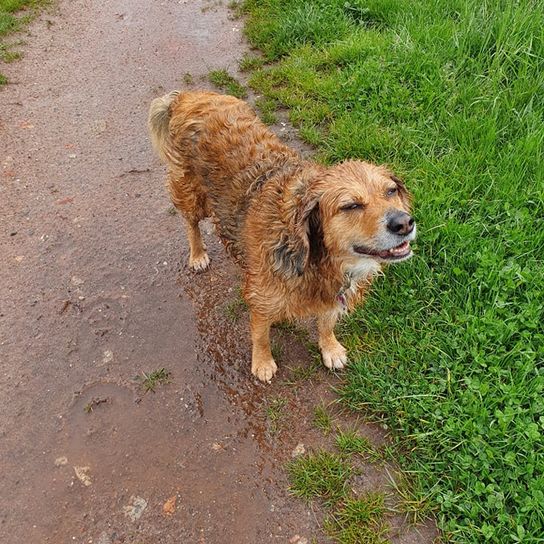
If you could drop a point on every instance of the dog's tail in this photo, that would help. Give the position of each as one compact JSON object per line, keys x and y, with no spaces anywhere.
{"x":158,"y":121}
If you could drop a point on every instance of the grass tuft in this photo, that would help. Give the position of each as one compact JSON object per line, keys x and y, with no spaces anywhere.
{"x":302,"y":373}
{"x":223,"y":80}
{"x":322,"y":419}
{"x":267,"y":109}
{"x":320,"y":475}
{"x":359,"y":521}
{"x":350,"y":442}
{"x":251,"y":62}
{"x":153,"y":379}
{"x":235,"y":308}
{"x":275,"y":412}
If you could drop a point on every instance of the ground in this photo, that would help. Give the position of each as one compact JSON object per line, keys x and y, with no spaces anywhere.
{"x":96,"y":292}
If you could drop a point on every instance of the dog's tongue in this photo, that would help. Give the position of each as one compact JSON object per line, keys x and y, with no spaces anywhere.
{"x":399,"y":251}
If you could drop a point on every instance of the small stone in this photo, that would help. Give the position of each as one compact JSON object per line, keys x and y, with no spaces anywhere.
{"x":299,"y":450}
{"x":217,"y":447}
{"x":19,"y":258}
{"x":77,"y":281}
{"x":83,"y":476}
{"x":136,"y":508}
{"x":297,"y":539}
{"x":100,"y":126}
{"x":61,"y":461}
{"x":107,"y":357}
{"x":169,"y":507}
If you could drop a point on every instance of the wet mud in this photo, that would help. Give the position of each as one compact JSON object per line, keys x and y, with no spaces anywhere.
{"x":96,"y":295}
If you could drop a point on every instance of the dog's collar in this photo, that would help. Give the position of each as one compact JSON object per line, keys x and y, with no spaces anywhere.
{"x":341,"y":295}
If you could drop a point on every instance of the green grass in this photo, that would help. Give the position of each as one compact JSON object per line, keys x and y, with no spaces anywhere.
{"x":250,"y":62}
{"x":358,"y":521}
{"x":350,"y":442}
{"x":448,"y":350}
{"x":275,"y":413}
{"x":225,"y":82}
{"x":322,"y":475}
{"x":267,"y":109}
{"x":322,"y":419}
{"x":325,"y":476}
{"x":235,"y":308}
{"x":153,"y":379}
{"x":14,"y":14}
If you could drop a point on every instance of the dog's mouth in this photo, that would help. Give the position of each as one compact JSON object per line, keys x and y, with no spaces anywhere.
{"x":397,"y":253}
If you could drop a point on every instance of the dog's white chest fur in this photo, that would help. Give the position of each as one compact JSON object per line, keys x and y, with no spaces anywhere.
{"x":363,"y":268}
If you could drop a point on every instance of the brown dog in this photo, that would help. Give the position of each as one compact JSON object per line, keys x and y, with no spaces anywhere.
{"x":309,"y":237}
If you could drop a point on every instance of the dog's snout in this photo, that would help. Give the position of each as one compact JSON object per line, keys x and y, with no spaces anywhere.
{"x":400,"y":223}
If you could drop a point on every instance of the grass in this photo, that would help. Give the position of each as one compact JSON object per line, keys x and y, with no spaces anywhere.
{"x":358,"y":521}
{"x":267,"y":109}
{"x":350,"y":442}
{"x":235,"y":308}
{"x":14,"y":14}
{"x":448,"y":351}
{"x":322,"y":475}
{"x":224,"y":81}
{"x":277,"y":350}
{"x":303,"y":373}
{"x":275,"y":412}
{"x":153,"y":379}
{"x":325,"y":476}
{"x":250,"y":62}
{"x":322,"y":419}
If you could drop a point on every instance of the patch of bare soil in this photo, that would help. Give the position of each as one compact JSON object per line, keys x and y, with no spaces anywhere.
{"x":95,"y":294}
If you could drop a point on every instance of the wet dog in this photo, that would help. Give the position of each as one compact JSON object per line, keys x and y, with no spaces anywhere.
{"x":309,"y":238}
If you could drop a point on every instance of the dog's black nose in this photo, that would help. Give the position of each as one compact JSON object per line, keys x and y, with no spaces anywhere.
{"x":400,"y":223}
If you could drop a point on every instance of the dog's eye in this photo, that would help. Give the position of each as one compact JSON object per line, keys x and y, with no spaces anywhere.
{"x":392,"y":191}
{"x":352,"y":206}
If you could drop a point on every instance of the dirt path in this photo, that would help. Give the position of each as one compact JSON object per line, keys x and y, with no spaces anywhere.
{"x":95,"y":291}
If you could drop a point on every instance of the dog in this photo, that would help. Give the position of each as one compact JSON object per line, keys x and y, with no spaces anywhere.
{"x":308,"y":237}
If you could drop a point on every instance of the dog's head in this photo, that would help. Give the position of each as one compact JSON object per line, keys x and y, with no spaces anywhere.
{"x":360,"y":212}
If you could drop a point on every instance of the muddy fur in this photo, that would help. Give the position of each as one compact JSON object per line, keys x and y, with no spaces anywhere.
{"x":291,"y":224}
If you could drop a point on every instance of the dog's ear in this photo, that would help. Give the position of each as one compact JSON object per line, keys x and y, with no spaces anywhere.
{"x":404,"y":194}
{"x":292,"y":253}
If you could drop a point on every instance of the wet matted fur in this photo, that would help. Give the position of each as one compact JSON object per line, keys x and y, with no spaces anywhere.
{"x":308,"y":237}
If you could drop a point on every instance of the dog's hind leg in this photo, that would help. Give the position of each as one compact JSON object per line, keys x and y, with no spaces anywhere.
{"x":189,"y":197}
{"x":332,"y":351}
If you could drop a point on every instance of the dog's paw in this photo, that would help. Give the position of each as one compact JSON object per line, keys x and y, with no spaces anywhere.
{"x":264,"y":370}
{"x":334,"y":357}
{"x":200,"y":263}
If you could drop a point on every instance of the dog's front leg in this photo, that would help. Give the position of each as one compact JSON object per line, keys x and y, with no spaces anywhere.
{"x":333,"y":352}
{"x":263,"y":365}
